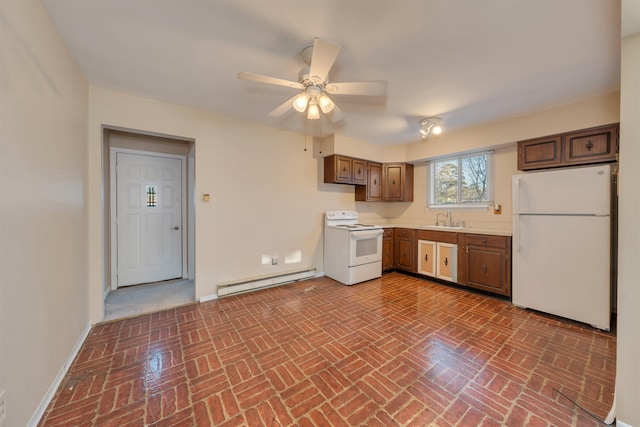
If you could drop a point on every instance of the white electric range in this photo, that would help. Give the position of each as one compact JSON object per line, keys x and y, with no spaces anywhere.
{"x":352,"y":251}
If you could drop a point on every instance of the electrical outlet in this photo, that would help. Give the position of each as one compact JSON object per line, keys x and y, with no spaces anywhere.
{"x":3,"y":407}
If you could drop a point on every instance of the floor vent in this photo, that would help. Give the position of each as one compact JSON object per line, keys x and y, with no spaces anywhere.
{"x":251,"y":284}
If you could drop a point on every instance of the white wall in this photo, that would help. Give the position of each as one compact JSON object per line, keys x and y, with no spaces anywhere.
{"x":267,"y":195}
{"x":43,"y":294}
{"x":628,"y":362}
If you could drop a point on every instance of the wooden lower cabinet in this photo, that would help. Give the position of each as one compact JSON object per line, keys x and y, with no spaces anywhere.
{"x":405,"y":242}
{"x":438,"y":259}
{"x":387,"y":250}
{"x":485,"y":263}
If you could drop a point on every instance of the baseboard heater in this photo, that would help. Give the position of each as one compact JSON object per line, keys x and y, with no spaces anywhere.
{"x":261,"y":282}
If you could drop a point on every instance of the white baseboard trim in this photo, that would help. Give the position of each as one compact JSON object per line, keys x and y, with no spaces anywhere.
{"x":622,"y":424}
{"x":37,"y":415}
{"x":207,"y":298}
{"x":266,"y":281}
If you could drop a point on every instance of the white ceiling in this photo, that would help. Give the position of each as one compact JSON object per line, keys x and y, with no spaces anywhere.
{"x":467,"y":61}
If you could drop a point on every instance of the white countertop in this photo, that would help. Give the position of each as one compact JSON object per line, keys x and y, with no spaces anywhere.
{"x":467,"y":230}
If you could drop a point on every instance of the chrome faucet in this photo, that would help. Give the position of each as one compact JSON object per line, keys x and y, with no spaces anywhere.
{"x":438,"y":218}
{"x":450,"y":218}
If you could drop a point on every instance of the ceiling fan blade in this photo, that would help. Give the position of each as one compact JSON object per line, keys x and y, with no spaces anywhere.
{"x":283,"y":108}
{"x":269,"y":80}
{"x":373,"y":88}
{"x":322,"y":59}
{"x":336,"y":115}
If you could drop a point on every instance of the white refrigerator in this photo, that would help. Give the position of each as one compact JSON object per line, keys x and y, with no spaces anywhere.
{"x":562,"y":243}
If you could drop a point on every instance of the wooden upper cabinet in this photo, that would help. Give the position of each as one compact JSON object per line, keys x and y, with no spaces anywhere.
{"x":545,"y":152}
{"x":358,"y":172}
{"x":372,"y":191}
{"x":398,"y":182}
{"x":337,"y":169}
{"x":594,"y":145}
{"x":591,"y":146}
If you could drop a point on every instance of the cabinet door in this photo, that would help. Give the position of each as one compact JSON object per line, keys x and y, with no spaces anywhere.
{"x":539,"y":153}
{"x":427,"y":257}
{"x":487,"y":270}
{"x":397,"y":181}
{"x":405,"y":249}
{"x":372,"y":191}
{"x":591,"y":145}
{"x":403,"y":254}
{"x":447,"y":261}
{"x":343,"y":169}
{"x":393,"y":182}
{"x":359,"y":172}
{"x":374,"y":182}
{"x":387,"y":253}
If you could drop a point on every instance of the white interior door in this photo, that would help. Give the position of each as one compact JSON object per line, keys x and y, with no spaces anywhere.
{"x":148,"y":218}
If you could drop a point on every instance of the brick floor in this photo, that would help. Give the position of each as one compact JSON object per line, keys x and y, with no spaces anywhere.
{"x":393,"y":351}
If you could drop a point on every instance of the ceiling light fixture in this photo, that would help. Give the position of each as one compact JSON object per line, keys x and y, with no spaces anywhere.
{"x":326,"y":104}
{"x":313,"y":113}
{"x":300,"y":102}
{"x":430,"y":126}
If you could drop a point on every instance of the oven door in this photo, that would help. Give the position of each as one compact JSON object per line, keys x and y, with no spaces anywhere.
{"x":365,"y":246}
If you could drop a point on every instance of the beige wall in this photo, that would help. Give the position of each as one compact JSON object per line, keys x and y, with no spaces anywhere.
{"x":267,"y":195}
{"x":43,"y":294}
{"x":628,"y":363}
{"x":500,"y":137}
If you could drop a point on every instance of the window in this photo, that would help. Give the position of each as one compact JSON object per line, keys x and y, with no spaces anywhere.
{"x":461,"y":181}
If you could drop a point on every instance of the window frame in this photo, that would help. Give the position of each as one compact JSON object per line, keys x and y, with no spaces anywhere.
{"x":460,"y":204}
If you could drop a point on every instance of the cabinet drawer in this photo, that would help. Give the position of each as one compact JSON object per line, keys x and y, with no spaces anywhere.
{"x":486,"y":241}
{"x":387,"y":232}
{"x":438,"y":236}
{"x":405,"y":232}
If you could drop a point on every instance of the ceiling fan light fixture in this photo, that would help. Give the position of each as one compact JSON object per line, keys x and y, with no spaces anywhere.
{"x":430,"y":126}
{"x":326,"y":104}
{"x":300,"y":102}
{"x":313,"y":113}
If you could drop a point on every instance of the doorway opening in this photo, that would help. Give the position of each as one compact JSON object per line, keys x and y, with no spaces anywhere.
{"x":148,"y":182}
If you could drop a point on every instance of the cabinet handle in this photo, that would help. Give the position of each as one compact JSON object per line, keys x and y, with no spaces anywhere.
{"x":393,"y":182}
{"x":375,"y":182}
{"x":359,"y":171}
{"x":484,"y":267}
{"x":426,"y":257}
{"x":446,"y":261}
{"x":344,"y":169}
{"x":466,"y":249}
{"x":484,"y":240}
{"x":589,"y":145}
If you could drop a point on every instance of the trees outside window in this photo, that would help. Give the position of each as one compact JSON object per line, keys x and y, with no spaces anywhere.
{"x":459,"y":181}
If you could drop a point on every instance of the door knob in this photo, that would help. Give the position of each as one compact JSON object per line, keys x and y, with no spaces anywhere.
{"x":176,"y":228}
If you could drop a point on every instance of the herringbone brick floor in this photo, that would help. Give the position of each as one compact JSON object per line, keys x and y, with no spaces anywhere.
{"x":393,"y":351}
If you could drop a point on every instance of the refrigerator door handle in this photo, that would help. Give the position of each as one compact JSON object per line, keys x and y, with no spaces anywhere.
{"x":516,"y":196}
{"x":516,"y":233}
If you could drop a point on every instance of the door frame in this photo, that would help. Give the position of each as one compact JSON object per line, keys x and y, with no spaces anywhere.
{"x":113,"y":191}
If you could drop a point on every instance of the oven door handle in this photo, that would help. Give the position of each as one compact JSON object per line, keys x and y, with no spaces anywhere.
{"x":365,"y":234}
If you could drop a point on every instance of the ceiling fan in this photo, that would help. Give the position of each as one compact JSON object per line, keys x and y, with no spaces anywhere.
{"x":313,"y":83}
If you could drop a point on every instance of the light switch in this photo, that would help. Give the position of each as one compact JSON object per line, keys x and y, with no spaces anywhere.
{"x":206,"y":197}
